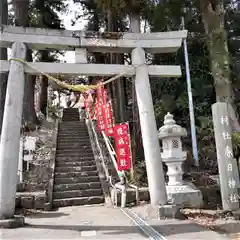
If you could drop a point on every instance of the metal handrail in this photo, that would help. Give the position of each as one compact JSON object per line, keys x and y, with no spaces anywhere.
{"x":112,"y":154}
{"x":98,"y":146}
{"x":117,"y":186}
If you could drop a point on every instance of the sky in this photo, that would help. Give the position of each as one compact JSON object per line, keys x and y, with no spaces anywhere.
{"x":66,"y":20}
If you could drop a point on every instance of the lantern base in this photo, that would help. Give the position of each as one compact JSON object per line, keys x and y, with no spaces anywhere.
{"x":185,"y":195}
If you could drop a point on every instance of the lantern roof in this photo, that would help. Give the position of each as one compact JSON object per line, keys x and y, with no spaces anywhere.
{"x":170,"y":128}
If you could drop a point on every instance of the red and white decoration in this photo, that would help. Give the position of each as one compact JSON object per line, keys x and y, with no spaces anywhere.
{"x":120,"y":132}
{"x":108,"y":119}
{"x":101,"y":101}
{"x":88,"y":104}
{"x":122,"y":146}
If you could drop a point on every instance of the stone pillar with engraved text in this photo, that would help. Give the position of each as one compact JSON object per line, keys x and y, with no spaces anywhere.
{"x":227,"y":165}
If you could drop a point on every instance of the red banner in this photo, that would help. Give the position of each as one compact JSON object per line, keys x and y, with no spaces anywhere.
{"x":101,"y":94}
{"x":101,"y":101}
{"x":108,"y":119}
{"x":89,"y":109}
{"x":122,"y":146}
{"x":100,"y":117}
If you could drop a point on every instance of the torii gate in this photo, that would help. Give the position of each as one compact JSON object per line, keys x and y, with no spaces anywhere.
{"x":135,"y":43}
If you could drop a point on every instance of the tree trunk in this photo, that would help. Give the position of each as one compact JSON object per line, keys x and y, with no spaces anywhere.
{"x":117,"y":86}
{"x":213,"y":15}
{"x":112,"y":60}
{"x":137,"y":149}
{"x":29,"y":113}
{"x":43,"y":97}
{"x":3,"y":56}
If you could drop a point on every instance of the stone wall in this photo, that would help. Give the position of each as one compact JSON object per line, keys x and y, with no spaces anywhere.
{"x":32,"y":192}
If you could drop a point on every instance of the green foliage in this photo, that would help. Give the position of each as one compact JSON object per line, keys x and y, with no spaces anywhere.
{"x":54,"y":111}
{"x":126,"y":6}
{"x":45,"y":13}
{"x":236,"y":144}
{"x":171,"y":95}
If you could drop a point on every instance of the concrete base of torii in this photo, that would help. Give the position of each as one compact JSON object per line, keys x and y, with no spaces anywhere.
{"x":15,"y":222}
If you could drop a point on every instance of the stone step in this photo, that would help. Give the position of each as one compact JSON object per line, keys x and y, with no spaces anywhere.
{"x":77,"y":193}
{"x":73,"y":124}
{"x":74,"y":146}
{"x":76,"y":174}
{"x":68,"y":115}
{"x":76,"y":150}
{"x":70,"y":112}
{"x":73,"y":127}
{"x":71,"y":141}
{"x":71,"y":180}
{"x":72,"y":130}
{"x":82,"y":156}
{"x":68,"y":109}
{"x":81,"y":153}
{"x":66,"y":133}
{"x":69,"y":119}
{"x":74,"y":164}
{"x":66,"y":136}
{"x":75,"y":142}
{"x":73,"y":159}
{"x":71,"y":150}
{"x":76,"y":169}
{"x":80,"y":123}
{"x":75,"y":154}
{"x":78,"y":201}
{"x":73,"y":138}
{"x":77,"y":186}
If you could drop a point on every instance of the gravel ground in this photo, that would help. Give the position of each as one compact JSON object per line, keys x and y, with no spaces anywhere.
{"x":217,"y":221}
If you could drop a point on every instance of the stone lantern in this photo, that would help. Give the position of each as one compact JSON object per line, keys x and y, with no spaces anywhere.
{"x":179,"y":191}
{"x":172,"y":153}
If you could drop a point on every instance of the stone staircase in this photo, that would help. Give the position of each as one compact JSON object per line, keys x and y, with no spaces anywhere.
{"x":76,"y":180}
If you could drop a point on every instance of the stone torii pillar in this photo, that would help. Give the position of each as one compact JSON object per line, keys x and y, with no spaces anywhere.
{"x":10,"y":138}
{"x":156,"y":182}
